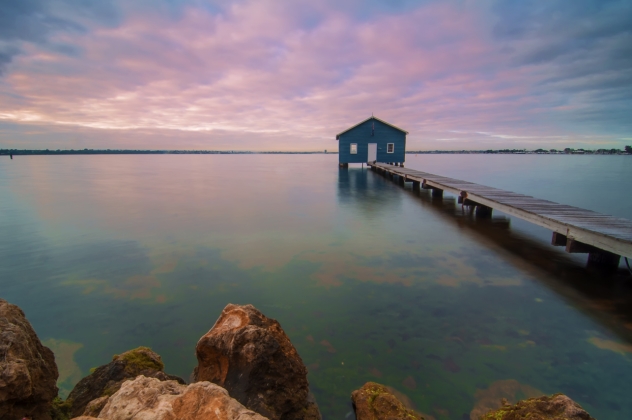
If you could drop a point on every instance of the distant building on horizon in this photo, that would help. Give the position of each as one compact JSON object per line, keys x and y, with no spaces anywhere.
{"x":372,"y":140}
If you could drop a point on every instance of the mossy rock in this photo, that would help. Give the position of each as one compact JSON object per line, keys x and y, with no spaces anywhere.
{"x":60,"y":409}
{"x":107,"y":379}
{"x":555,"y":407}
{"x":376,"y":402}
{"x":139,"y":359}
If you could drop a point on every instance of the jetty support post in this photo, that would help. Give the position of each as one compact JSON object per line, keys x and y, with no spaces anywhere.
{"x":483,"y":212}
{"x":416,"y":185}
{"x":558,"y":239}
{"x":596,"y":257}
{"x":463,"y":200}
{"x":436,"y":192}
{"x":605,"y":259}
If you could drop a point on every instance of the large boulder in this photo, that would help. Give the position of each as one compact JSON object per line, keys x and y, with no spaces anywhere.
{"x":555,"y":407}
{"x":28,"y":373}
{"x":107,"y":379}
{"x":251,"y":356}
{"x":150,"y":399}
{"x":376,"y":402}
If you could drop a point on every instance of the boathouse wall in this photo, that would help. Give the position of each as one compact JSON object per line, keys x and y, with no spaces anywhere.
{"x":372,"y":131}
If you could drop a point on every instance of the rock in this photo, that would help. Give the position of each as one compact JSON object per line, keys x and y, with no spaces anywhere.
{"x":506,"y":389}
{"x":107,"y":379}
{"x":376,"y":402}
{"x":555,"y":407}
{"x":149,"y":398}
{"x":251,"y":356}
{"x":94,"y":407}
{"x":28,"y":373}
{"x":60,"y":409}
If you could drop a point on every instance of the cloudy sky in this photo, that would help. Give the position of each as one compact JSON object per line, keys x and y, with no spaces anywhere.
{"x":289,"y":75}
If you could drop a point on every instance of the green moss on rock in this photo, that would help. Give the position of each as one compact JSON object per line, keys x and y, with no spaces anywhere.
{"x":555,"y":407}
{"x":376,"y":402}
{"x":139,"y":359}
{"x":107,"y":379}
{"x":60,"y":409}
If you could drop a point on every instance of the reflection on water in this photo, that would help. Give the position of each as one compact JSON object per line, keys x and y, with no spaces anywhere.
{"x":370,"y":280}
{"x":604,"y":294}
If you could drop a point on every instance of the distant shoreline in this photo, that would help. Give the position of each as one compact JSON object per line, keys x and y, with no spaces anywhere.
{"x":31,"y":152}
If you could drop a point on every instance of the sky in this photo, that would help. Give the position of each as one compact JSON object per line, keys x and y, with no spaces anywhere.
{"x":290,"y":75}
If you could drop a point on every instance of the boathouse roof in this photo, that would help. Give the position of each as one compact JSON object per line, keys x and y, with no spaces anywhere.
{"x":370,"y":118}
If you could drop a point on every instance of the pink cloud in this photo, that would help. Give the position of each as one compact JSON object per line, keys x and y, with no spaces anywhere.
{"x":256,"y":77}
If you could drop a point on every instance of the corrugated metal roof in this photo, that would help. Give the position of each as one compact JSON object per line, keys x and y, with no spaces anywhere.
{"x":370,"y":118}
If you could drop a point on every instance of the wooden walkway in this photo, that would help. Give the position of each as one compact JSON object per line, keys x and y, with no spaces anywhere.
{"x":605,"y":238}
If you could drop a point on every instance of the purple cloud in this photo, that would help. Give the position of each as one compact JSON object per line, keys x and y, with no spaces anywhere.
{"x":264,"y":75}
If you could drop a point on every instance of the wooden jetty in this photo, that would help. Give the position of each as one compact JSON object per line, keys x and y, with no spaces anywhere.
{"x":604,"y":238}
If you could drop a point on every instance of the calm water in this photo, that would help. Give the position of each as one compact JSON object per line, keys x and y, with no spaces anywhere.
{"x":371,"y":281}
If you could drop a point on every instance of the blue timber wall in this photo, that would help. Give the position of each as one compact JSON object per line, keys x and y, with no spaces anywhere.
{"x":361,"y":135}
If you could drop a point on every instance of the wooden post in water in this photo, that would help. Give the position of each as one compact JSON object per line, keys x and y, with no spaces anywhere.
{"x":483,"y":212}
{"x":436,"y":192}
{"x":603,"y":259}
{"x":558,"y":239}
{"x":596,"y":257}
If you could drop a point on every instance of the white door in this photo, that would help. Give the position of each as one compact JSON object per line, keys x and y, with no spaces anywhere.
{"x":372,"y":152}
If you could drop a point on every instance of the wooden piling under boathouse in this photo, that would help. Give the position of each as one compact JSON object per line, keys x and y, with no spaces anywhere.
{"x":604,"y":238}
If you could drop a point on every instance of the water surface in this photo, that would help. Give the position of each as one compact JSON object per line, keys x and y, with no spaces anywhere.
{"x":370,"y":280}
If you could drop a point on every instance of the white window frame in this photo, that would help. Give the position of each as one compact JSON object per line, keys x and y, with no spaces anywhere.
{"x":391,"y":147}
{"x":354,"y":149}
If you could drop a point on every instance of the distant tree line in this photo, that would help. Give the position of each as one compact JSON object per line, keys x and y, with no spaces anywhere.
{"x":137,"y":152}
{"x":568,"y":150}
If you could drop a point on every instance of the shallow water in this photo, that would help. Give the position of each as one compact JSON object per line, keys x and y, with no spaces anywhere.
{"x":370,"y":280}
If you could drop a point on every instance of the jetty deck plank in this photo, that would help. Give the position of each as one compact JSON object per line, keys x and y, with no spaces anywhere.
{"x":602,"y":231}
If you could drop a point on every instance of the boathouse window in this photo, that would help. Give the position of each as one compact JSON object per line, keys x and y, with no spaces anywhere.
{"x":354,"y":148}
{"x":390,"y":147}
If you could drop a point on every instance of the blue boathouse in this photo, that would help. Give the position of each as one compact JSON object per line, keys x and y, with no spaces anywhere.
{"x":372,"y":140}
